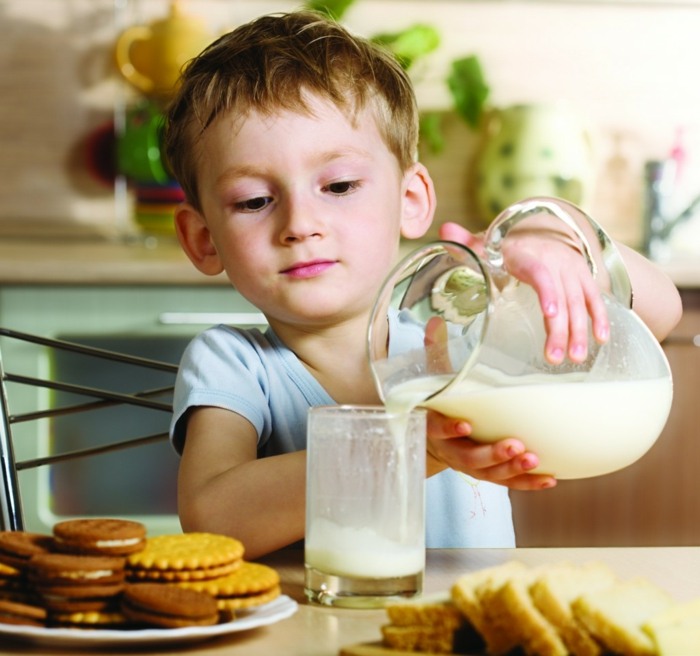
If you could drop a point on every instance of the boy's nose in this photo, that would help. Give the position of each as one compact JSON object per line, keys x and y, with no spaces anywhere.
{"x":300,"y":223}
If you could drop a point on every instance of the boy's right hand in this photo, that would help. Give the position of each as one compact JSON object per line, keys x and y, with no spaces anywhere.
{"x":567,"y":291}
{"x":505,"y":462}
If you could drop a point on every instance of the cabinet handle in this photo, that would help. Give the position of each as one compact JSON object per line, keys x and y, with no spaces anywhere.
{"x":212,"y":318}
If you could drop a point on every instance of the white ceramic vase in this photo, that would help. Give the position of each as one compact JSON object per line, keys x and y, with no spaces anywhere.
{"x":532,"y":150}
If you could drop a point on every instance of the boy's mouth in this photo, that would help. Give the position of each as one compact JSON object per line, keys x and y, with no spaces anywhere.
{"x":309,"y":269}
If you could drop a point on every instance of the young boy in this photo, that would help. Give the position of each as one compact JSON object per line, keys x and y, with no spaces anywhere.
{"x":295,"y":143}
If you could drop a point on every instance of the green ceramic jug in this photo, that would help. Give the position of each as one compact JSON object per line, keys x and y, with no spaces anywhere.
{"x":532,"y":150}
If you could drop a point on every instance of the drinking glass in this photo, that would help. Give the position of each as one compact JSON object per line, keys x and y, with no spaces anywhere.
{"x":365,"y":507}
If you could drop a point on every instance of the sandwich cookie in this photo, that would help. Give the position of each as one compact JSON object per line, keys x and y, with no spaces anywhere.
{"x":56,"y":569}
{"x":168,"y":606}
{"x":71,"y":583}
{"x":106,"y":619}
{"x":17,"y":547}
{"x":13,"y":585}
{"x":100,"y":537}
{"x":80,"y":598}
{"x":12,"y":612}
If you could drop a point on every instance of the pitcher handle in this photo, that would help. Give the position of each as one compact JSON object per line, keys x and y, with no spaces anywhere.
{"x":620,"y":285}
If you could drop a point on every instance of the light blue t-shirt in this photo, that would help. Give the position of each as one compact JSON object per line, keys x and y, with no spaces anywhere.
{"x":257,"y":376}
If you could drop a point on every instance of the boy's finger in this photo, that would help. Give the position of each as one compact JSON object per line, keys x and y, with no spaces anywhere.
{"x":442,"y":427}
{"x":598,"y":313}
{"x":557,"y":329}
{"x":435,"y":341}
{"x":577,"y":311}
{"x":530,"y":482}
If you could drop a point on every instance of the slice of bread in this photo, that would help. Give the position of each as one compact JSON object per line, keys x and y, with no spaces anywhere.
{"x":418,"y":638}
{"x":550,"y":610}
{"x":676,"y":630}
{"x":466,"y":597}
{"x":514,"y":621}
{"x":615,"y":615}
{"x":685,"y":613}
{"x":555,"y":590}
{"x":430,"y":624}
{"x":432,"y":610}
{"x":677,"y":640}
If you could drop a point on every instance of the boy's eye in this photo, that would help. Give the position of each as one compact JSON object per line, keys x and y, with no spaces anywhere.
{"x":343,"y":187}
{"x":253,"y":204}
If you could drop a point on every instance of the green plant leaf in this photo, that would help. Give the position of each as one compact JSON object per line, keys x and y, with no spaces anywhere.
{"x":431,"y":132}
{"x":410,"y":44}
{"x":334,"y":8}
{"x":469,"y":89}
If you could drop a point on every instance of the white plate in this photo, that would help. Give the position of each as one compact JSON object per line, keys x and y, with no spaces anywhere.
{"x":276,"y":610}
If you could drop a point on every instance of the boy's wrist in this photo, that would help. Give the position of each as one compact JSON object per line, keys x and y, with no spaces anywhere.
{"x":433,"y":465}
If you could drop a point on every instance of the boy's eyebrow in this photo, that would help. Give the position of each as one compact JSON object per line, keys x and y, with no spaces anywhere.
{"x":238,"y":171}
{"x":233,"y":173}
{"x":344,"y":152}
{"x":326,"y":157}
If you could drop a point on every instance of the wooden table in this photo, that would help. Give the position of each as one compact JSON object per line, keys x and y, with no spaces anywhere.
{"x":320,"y":631}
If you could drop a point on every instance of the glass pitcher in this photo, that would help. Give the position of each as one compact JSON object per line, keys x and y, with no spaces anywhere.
{"x":454,"y":332}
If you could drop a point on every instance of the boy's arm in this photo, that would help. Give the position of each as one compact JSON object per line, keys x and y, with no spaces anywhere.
{"x":656,"y":298}
{"x":562,"y":280}
{"x":224,"y":488}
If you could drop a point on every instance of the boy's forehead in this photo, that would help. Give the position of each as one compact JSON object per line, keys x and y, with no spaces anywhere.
{"x":317,"y":109}
{"x":235,"y":145}
{"x":246,"y":143}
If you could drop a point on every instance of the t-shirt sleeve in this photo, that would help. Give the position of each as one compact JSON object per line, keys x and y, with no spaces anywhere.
{"x":222,"y":368}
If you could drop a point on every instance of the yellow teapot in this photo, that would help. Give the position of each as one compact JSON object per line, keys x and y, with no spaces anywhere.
{"x":150,"y":57}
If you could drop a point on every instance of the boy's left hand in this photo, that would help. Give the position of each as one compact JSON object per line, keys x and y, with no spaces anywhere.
{"x":505,"y":462}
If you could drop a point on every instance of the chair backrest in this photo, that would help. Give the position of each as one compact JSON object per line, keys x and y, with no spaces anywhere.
{"x":87,"y":399}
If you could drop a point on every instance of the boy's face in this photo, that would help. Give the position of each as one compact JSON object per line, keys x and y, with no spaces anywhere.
{"x":304,"y":212}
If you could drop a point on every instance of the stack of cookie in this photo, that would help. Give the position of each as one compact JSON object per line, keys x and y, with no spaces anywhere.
{"x":16,"y":548}
{"x":98,"y":573}
{"x":75,"y":576}
{"x":208,"y":563}
{"x":77,"y":589}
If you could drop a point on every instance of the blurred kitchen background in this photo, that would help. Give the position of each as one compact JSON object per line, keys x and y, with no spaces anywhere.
{"x":87,"y":253}
{"x":627,"y":70}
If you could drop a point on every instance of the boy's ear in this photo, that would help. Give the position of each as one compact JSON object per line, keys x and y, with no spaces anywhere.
{"x":418,"y":202}
{"x":195,"y":239}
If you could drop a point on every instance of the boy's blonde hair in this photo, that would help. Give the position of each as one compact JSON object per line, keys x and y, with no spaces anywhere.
{"x":272,"y":64}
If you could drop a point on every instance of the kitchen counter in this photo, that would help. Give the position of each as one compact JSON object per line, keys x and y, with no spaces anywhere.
{"x":321,"y":631}
{"x":98,"y":261}
{"x":684,"y":270}
{"x":101,"y":261}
